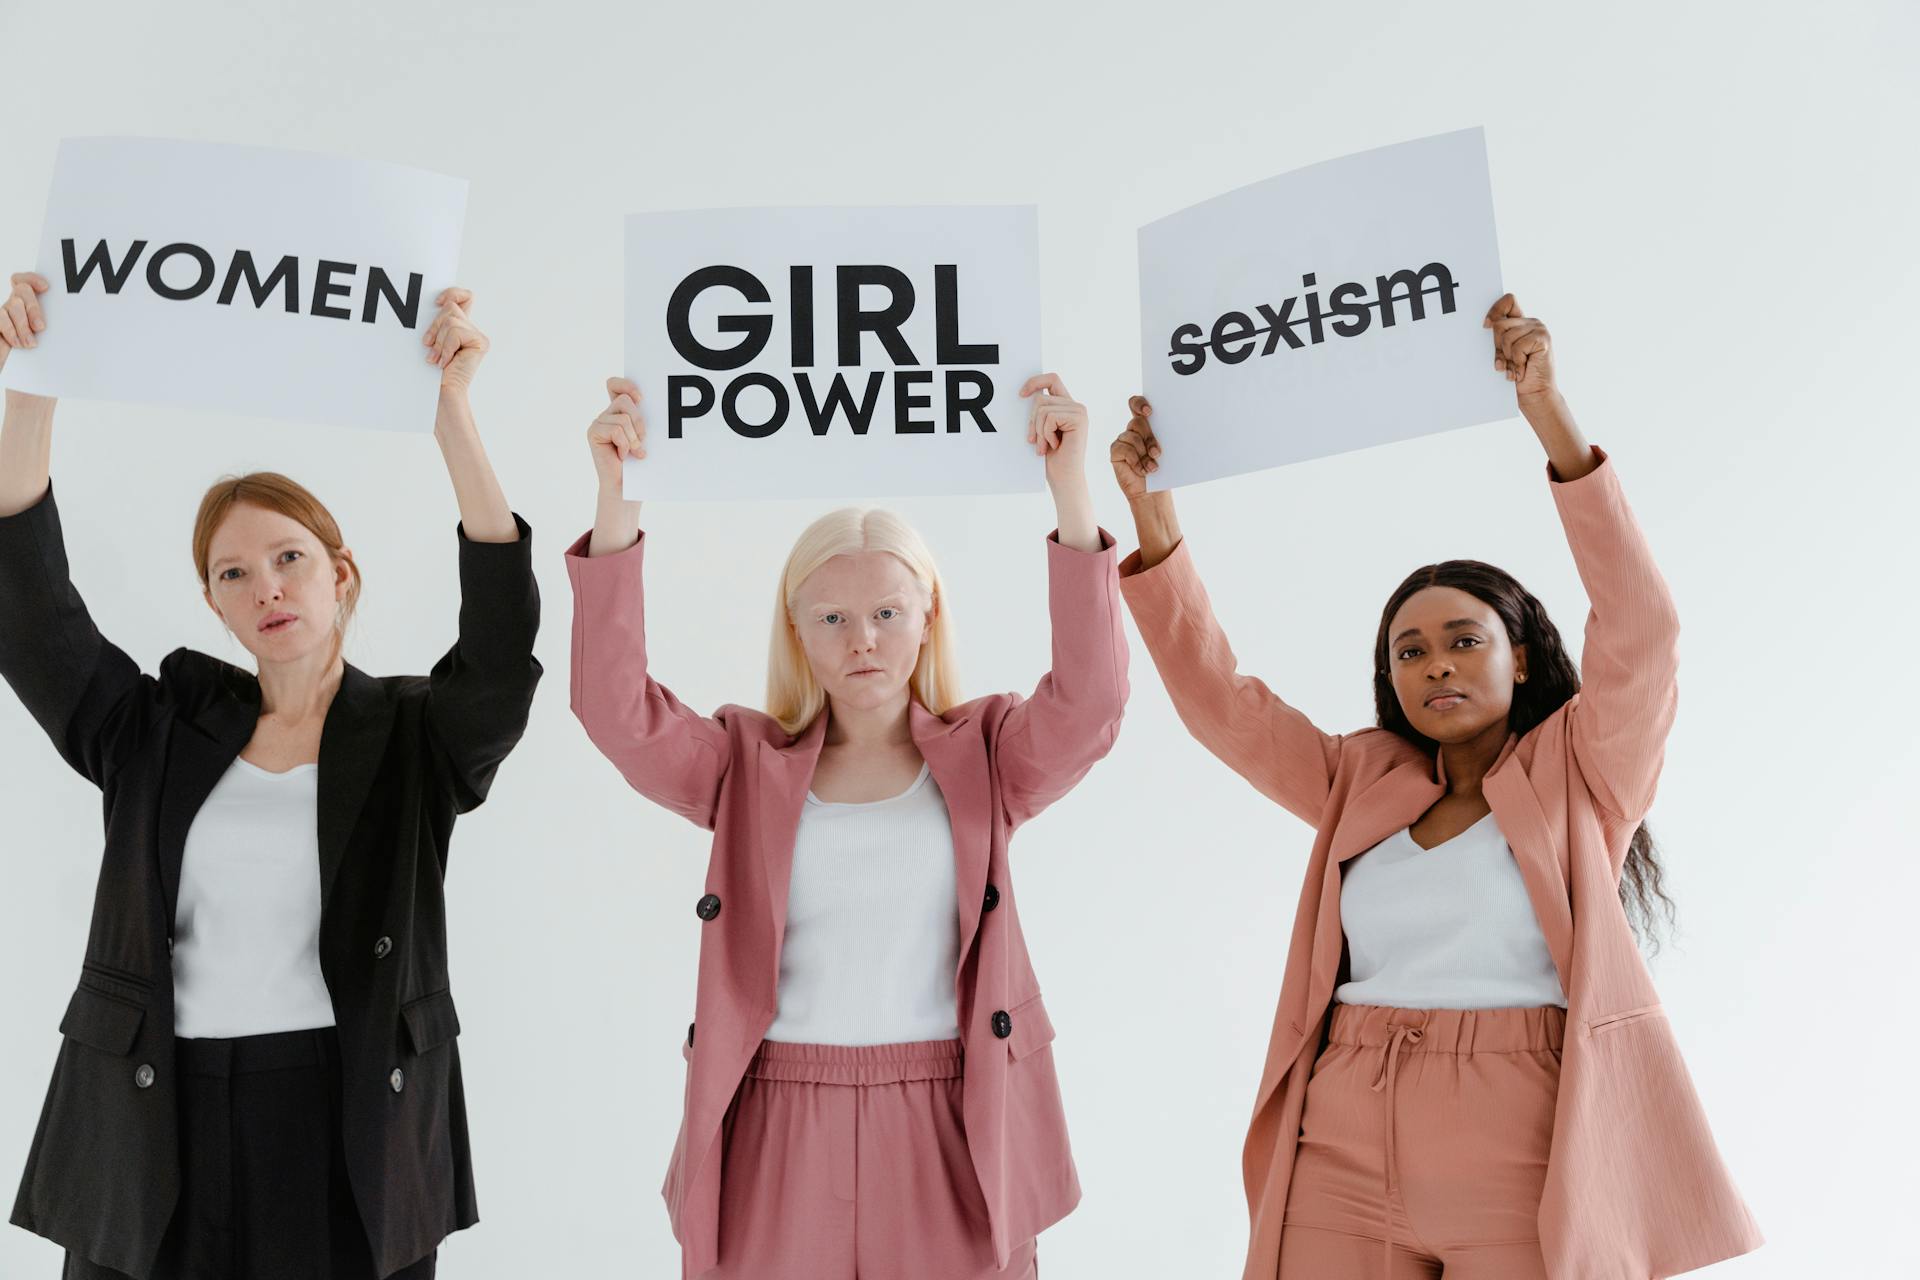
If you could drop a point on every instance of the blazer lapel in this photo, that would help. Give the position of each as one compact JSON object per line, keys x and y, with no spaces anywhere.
{"x":785,"y":774}
{"x":956,"y":759}
{"x":352,"y":743}
{"x":1517,"y":810}
{"x":199,"y":752}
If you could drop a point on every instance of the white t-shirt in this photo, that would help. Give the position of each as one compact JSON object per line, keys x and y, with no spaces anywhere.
{"x":873,"y":923}
{"x":246,"y":928}
{"x":1449,"y":927}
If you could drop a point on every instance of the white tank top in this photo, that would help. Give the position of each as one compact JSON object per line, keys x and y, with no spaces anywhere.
{"x":246,"y":928}
{"x":1449,"y":927}
{"x":873,"y":923}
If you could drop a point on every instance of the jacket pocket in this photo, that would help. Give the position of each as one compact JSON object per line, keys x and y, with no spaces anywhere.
{"x":102,"y":1022}
{"x":1614,"y":1021}
{"x":431,"y":1021}
{"x":1032,"y":1030}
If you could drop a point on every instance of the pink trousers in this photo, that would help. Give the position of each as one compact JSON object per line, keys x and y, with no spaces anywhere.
{"x":1424,"y":1145}
{"x":852,"y":1164}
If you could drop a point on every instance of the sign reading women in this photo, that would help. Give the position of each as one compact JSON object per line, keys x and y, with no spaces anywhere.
{"x":1328,"y":309}
{"x":243,"y":279}
{"x":789,"y":353}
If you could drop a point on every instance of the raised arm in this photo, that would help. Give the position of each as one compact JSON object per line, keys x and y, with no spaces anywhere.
{"x":479,"y":695}
{"x":89,"y":697}
{"x":1047,"y":742}
{"x":1629,"y":663}
{"x":667,"y":752}
{"x":1235,"y":716}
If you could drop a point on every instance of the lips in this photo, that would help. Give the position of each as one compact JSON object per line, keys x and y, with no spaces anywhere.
{"x":866,"y":671}
{"x":276,"y":622}
{"x":1444,"y":699}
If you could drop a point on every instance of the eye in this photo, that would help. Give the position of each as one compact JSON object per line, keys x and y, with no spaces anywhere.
{"x":1475,"y":641}
{"x":1408,"y":653}
{"x":288,"y":557}
{"x":887,"y":613}
{"x":230,"y":575}
{"x":831,"y":619}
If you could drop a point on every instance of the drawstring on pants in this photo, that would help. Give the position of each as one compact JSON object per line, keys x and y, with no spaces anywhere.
{"x":1383,"y":1082}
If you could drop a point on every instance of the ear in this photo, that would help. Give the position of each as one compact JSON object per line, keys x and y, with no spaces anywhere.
{"x":208,"y":597}
{"x":342,"y":574}
{"x":926,"y":622}
{"x":1520,"y":664}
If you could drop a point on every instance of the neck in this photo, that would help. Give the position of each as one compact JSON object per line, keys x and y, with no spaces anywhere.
{"x":886,"y":725}
{"x":302,"y":689}
{"x":1467,"y":762}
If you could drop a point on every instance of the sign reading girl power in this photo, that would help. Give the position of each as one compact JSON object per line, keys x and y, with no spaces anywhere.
{"x":243,"y":279}
{"x":806,"y":353}
{"x":1332,"y":308}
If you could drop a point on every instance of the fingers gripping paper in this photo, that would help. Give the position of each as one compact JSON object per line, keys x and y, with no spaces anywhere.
{"x":804,"y":353}
{"x":1328,"y":309}
{"x":243,"y":279}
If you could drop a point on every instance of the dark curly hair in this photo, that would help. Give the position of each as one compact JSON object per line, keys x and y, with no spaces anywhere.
{"x":1551,"y":680}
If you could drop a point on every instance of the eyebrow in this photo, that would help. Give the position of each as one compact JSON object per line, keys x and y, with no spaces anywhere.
{"x":1455,"y":625}
{"x":272,"y":546}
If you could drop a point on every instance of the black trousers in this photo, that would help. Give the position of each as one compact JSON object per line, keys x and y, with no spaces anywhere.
{"x":263,"y":1180}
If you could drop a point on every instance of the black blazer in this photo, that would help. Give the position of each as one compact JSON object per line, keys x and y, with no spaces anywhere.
{"x":399,"y":757}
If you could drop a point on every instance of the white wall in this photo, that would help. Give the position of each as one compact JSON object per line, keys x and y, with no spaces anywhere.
{"x":1711,"y":205}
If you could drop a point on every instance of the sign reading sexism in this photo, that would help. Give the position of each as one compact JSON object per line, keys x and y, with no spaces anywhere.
{"x":243,"y":279}
{"x":1328,"y":309}
{"x":807,"y":353}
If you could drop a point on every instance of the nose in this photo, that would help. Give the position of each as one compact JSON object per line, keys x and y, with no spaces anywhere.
{"x":270,"y":590}
{"x":1440,"y":669}
{"x":864,"y":635}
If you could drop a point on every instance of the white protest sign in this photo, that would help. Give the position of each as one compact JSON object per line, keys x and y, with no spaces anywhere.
{"x":243,"y":279}
{"x":823,"y":352}
{"x":1328,"y":309}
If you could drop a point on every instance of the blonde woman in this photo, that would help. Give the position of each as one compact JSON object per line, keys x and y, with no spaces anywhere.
{"x":870,"y":1088}
{"x":258,"y":1075}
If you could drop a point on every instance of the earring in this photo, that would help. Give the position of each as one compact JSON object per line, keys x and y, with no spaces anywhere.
{"x":1521,"y":678}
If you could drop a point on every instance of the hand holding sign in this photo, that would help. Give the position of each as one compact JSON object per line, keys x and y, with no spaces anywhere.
{"x":1135,"y":453}
{"x":617,"y":434}
{"x":1056,"y":428}
{"x":453,"y":342}
{"x":1523,"y":350}
{"x":21,"y":317}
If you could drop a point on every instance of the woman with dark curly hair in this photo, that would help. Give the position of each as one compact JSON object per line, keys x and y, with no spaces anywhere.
{"x":1470,"y":1072}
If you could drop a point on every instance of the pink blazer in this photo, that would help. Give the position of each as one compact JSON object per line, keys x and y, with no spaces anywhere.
{"x":998,"y":761}
{"x":1635,"y":1186}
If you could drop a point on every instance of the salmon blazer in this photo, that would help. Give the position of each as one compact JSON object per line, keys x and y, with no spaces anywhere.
{"x":1635,"y":1186}
{"x":998,"y":761}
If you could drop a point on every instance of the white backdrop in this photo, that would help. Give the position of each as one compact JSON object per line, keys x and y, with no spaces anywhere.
{"x":1712,"y":206}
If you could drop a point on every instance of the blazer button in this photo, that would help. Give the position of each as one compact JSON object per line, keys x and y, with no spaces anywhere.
{"x":708,"y":907}
{"x":383,"y":948}
{"x":1002,"y":1024}
{"x":398,"y":1080}
{"x":143,"y":1077}
{"x":689,"y":1035}
{"x":993,"y":898}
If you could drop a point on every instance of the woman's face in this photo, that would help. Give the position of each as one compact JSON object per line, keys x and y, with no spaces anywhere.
{"x":1452,"y":665}
{"x":273,"y":584}
{"x":862,"y":620}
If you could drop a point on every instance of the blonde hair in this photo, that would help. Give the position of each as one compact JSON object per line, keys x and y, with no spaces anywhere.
{"x":274,"y":492}
{"x":794,"y":697}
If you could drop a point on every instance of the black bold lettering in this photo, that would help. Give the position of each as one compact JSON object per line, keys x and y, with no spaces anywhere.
{"x":883,"y":324}
{"x":679,"y":407}
{"x":1417,"y":289}
{"x":730,"y":405}
{"x":947,"y":347}
{"x":285,"y":275}
{"x":111,"y":277}
{"x":905,"y":402}
{"x":1343,"y":301}
{"x":754,"y":329}
{"x":201,"y":258}
{"x":380,"y":286}
{"x":1279,"y":327}
{"x":975,"y":404}
{"x":1186,"y":345}
{"x":1235,"y":326}
{"x":840,"y":400}
{"x":325,"y":287}
{"x":800,"y":314}
{"x":1314,"y":314}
